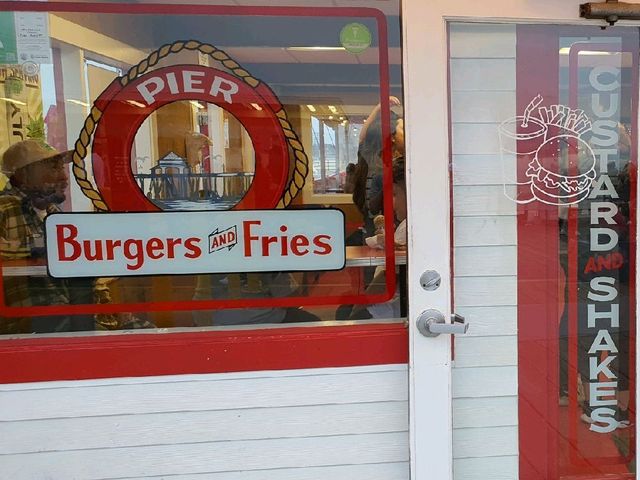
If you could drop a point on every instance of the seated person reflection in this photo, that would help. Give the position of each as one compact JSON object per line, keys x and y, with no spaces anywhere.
{"x":37,"y":184}
{"x":245,"y":286}
{"x":390,"y":309}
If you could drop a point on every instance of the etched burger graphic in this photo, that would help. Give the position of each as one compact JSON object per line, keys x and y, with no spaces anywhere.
{"x":544,"y":155}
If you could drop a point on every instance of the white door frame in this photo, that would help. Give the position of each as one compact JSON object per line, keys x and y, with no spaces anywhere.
{"x":425,"y":62}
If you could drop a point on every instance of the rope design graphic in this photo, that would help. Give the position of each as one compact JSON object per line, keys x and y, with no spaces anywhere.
{"x":301,"y":166}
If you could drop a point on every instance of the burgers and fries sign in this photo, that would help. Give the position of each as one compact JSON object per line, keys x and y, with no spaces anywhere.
{"x":132,"y":236}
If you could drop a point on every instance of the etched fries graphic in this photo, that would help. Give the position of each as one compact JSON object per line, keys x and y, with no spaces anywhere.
{"x":553,"y":164}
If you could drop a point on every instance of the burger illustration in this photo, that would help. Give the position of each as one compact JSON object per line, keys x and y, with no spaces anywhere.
{"x":562,"y":170}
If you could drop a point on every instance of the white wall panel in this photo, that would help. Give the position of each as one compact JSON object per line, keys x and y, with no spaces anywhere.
{"x":482,"y":41}
{"x":487,"y":169}
{"x":486,"y":351}
{"x":485,"y":412}
{"x":493,"y":468}
{"x":485,"y":230}
{"x":380,"y":471}
{"x":200,"y":395}
{"x":485,"y":442}
{"x":485,"y":382}
{"x":488,"y":107}
{"x":339,"y":423}
{"x":483,"y":291}
{"x":486,"y":261}
{"x":483,"y":74}
{"x":205,"y":426}
{"x":490,"y":321}
{"x":209,"y":457}
{"x":481,"y":200}
{"x":475,"y":139}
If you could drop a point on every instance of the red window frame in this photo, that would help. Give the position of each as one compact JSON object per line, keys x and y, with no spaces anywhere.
{"x":151,"y":354}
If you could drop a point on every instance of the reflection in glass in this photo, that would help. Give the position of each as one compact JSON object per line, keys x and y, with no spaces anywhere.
{"x":192,"y":171}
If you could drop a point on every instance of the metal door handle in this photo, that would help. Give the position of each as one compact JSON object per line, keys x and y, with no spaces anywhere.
{"x":431,"y":323}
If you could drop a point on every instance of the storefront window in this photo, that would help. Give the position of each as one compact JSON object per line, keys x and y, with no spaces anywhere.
{"x":202,"y":166}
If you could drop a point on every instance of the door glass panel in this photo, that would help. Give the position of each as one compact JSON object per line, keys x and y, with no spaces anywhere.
{"x":543,"y":126}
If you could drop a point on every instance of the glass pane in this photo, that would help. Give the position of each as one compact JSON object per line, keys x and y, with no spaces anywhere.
{"x":544,"y":156}
{"x":260,"y":112}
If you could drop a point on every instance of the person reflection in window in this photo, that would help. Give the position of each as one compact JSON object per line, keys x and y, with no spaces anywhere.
{"x":378,"y":285}
{"x":247,"y":286}
{"x":37,"y":186}
{"x":367,"y":189}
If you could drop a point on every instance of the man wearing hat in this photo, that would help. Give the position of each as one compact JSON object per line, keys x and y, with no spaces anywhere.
{"x":38,"y":181}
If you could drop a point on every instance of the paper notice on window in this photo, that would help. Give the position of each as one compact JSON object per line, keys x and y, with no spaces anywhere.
{"x":32,"y":37}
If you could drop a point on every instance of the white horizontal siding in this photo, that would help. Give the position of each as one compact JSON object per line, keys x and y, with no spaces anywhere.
{"x":485,"y":382}
{"x":205,"y":426}
{"x":488,"y":107}
{"x":209,"y":457}
{"x":486,"y":261}
{"x":481,"y":200}
{"x":493,"y":468}
{"x":485,"y":442}
{"x":490,"y":321}
{"x":487,"y":169}
{"x":475,"y":139}
{"x":379,"y":471}
{"x":197,"y":395}
{"x":485,"y":412}
{"x":472,"y":40}
{"x":485,"y":230}
{"x":485,"y":291}
{"x":483,"y":74}
{"x":485,"y":408}
{"x":343,"y":422}
{"x":486,"y":351}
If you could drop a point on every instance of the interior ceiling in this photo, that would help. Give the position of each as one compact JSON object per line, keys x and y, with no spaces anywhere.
{"x":260,"y":44}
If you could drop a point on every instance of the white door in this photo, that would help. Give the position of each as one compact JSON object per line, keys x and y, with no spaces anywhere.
{"x":521,"y":121}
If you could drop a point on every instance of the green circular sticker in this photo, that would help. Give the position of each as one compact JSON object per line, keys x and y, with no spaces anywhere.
{"x":355,"y":37}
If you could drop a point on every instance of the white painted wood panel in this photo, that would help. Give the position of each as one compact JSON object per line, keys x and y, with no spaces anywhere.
{"x":488,"y":169}
{"x":486,"y":351}
{"x":379,"y":471}
{"x":485,"y":409}
{"x":485,"y":261}
{"x":475,"y":139}
{"x":481,"y":200}
{"x":480,"y":291}
{"x":485,"y":442}
{"x":101,"y":382}
{"x":472,"y":40}
{"x":209,"y":457}
{"x":483,"y":74}
{"x":251,"y":425}
{"x":490,"y":321}
{"x":487,"y":107}
{"x":493,"y":468}
{"x":206,"y":426}
{"x":203,"y":395}
{"x":485,"y":382}
{"x":485,"y":230}
{"x":485,"y":412}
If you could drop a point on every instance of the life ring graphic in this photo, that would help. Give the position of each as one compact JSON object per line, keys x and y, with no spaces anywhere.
{"x":121,"y":108}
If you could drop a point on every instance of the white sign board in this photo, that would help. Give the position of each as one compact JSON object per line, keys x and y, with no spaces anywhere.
{"x":127,"y":244}
{"x":32,"y":37}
